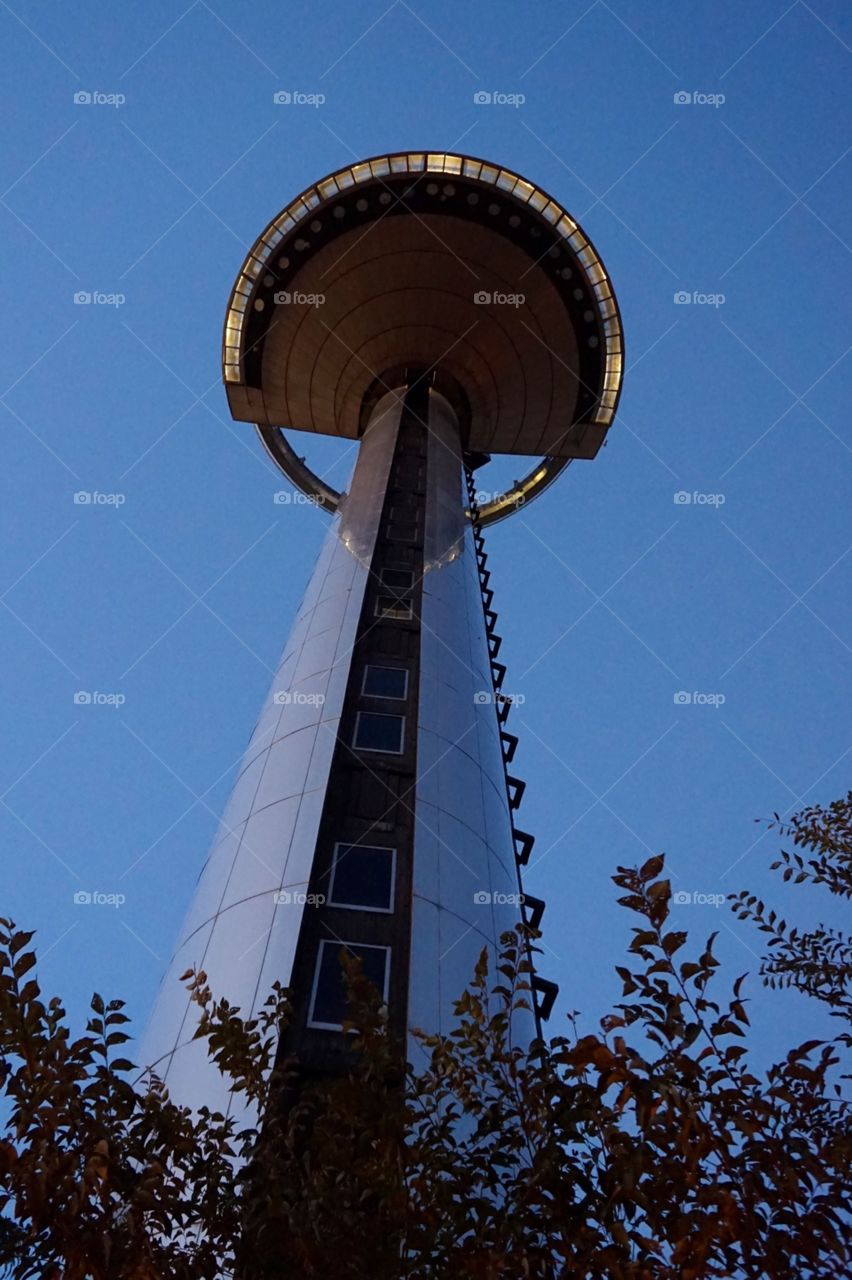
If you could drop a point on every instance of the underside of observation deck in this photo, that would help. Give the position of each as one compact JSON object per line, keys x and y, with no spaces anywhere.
{"x":470,"y":272}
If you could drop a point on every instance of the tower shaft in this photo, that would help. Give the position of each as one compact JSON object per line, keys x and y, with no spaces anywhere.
{"x":370,"y":814}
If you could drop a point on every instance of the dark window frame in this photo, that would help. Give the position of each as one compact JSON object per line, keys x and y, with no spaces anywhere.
{"x":385,"y":715}
{"x":392,"y":607}
{"x":313,"y":1022}
{"x":389,"y":697}
{"x":360,"y":906}
{"x":396,"y":568}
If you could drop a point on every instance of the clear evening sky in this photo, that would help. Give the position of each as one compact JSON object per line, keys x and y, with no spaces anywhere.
{"x":173,"y":591}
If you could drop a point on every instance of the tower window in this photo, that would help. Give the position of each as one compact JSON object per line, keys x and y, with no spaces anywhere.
{"x":385,"y":682}
{"x":362,"y":876}
{"x":377,"y":732}
{"x":399,"y":532}
{"x":391,"y":607}
{"x":328,"y":1006}
{"x":397,"y":579}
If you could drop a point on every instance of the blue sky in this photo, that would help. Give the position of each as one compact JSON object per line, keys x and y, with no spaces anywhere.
{"x":177,"y":594}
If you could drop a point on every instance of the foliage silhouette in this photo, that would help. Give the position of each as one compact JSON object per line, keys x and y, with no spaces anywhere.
{"x":647,"y":1151}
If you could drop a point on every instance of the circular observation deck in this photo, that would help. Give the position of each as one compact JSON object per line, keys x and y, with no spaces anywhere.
{"x":442,"y":264}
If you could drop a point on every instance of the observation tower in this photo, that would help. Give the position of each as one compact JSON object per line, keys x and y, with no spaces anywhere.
{"x":434,"y":310}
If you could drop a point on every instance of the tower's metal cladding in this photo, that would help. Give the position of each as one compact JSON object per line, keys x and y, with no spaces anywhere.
{"x":438,"y":309}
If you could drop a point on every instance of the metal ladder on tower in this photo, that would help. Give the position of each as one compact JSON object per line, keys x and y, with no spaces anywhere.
{"x":544,"y":991}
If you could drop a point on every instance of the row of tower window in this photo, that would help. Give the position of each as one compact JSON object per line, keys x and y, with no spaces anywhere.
{"x":362,"y":879}
{"x":396,"y":605}
{"x":381,"y":731}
